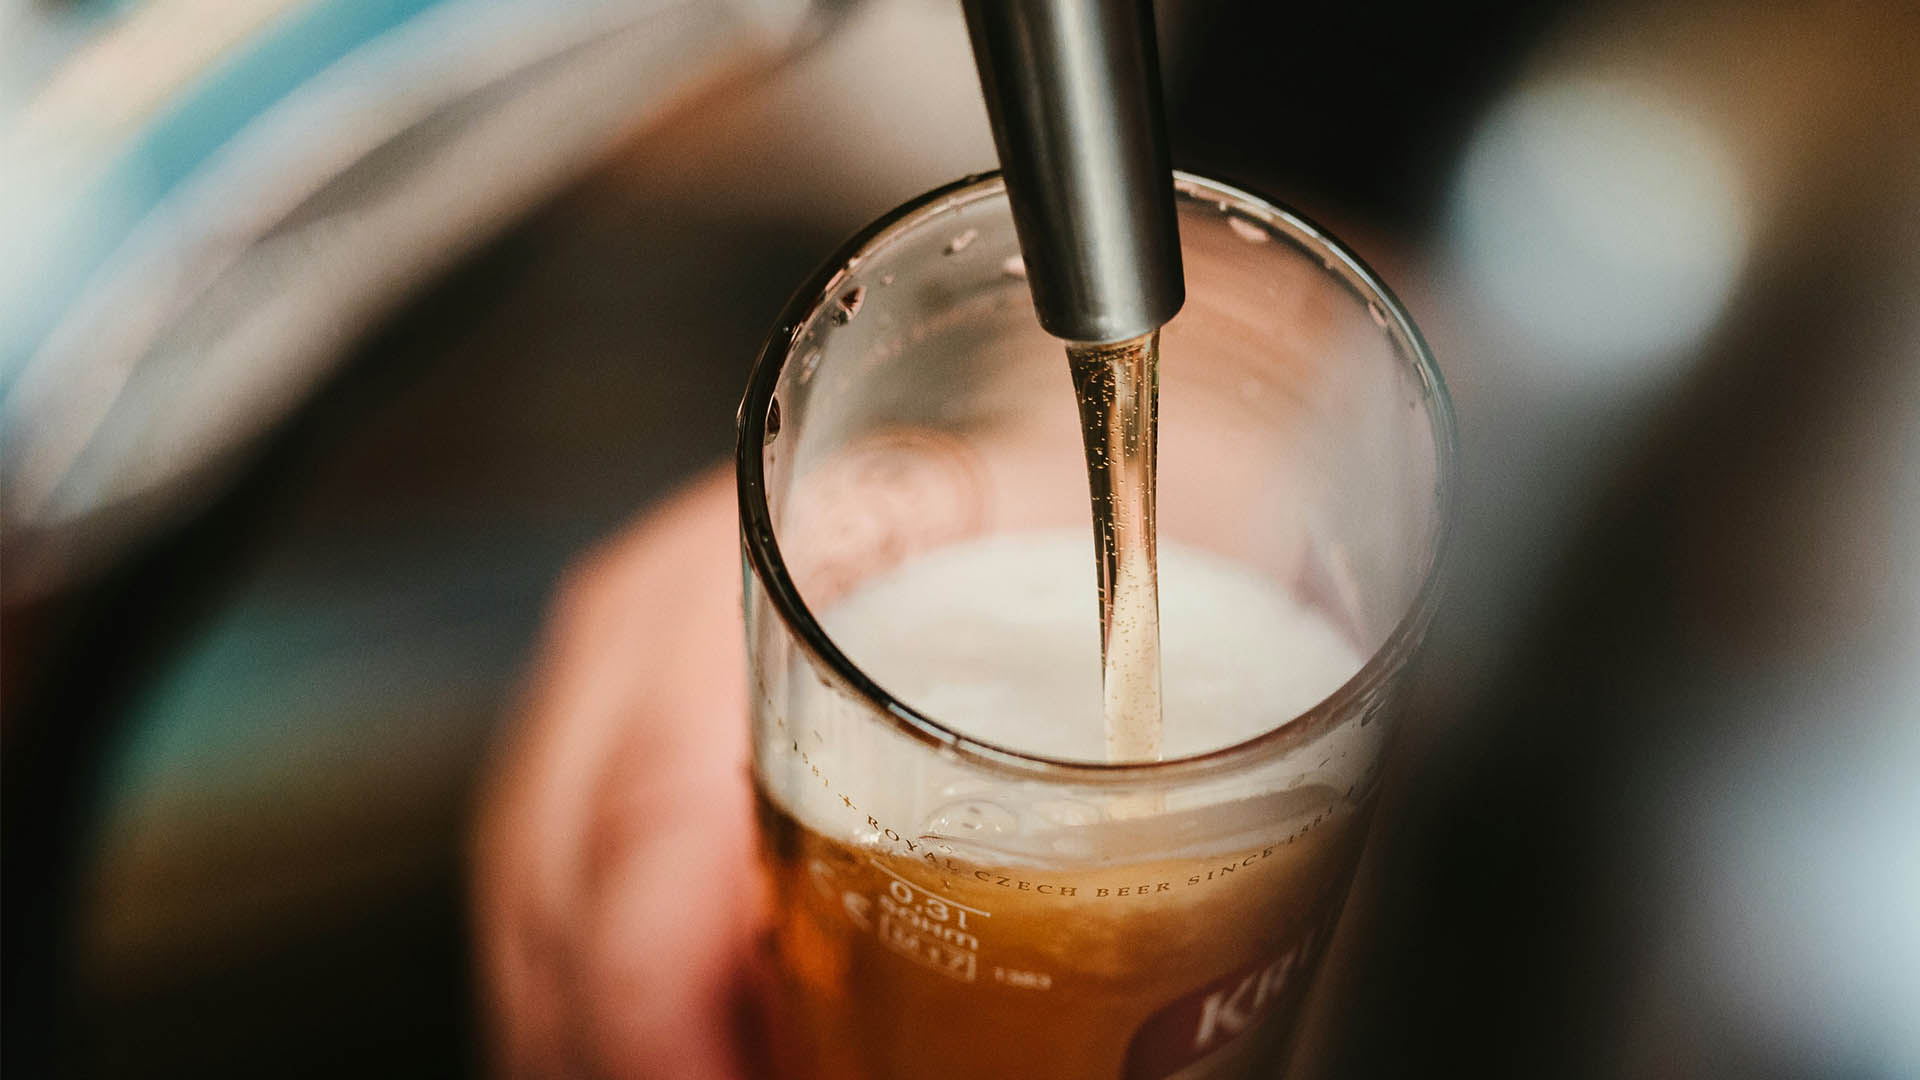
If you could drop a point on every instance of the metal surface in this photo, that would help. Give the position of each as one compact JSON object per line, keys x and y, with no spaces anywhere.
{"x":200,"y":246}
{"x":1073,"y":92}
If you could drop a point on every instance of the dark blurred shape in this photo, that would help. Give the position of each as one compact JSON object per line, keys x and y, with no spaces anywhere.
{"x":1662,"y":823}
{"x":236,"y":760}
{"x":1353,"y":107}
{"x":314,"y":662}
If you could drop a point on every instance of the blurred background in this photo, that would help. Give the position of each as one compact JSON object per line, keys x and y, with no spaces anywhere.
{"x":331,"y":331}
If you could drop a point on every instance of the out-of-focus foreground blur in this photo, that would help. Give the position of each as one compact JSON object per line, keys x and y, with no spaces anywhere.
{"x":332,"y":330}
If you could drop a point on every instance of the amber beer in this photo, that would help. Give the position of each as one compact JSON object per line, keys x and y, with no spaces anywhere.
{"x":903,"y":964}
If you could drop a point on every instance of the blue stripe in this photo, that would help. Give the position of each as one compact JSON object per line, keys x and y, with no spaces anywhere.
{"x":206,"y":116}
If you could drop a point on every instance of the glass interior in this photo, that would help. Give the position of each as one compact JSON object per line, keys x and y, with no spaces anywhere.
{"x":916,"y":404}
{"x":1299,"y":428}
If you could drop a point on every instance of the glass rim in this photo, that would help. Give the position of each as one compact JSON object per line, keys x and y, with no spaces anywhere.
{"x":762,"y":550}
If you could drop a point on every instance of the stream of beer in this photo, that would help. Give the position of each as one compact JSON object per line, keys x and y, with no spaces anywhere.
{"x":1118,"y":390}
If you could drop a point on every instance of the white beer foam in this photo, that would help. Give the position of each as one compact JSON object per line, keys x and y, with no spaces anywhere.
{"x":998,"y":639}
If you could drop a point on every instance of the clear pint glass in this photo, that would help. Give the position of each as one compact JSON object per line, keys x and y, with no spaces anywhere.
{"x":962,"y":883}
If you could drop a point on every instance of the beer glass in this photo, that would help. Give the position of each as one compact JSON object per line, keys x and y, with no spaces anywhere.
{"x":956,"y":897}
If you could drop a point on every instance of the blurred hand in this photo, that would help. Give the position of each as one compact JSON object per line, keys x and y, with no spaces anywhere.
{"x":617,"y":901}
{"x":616,"y":898}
